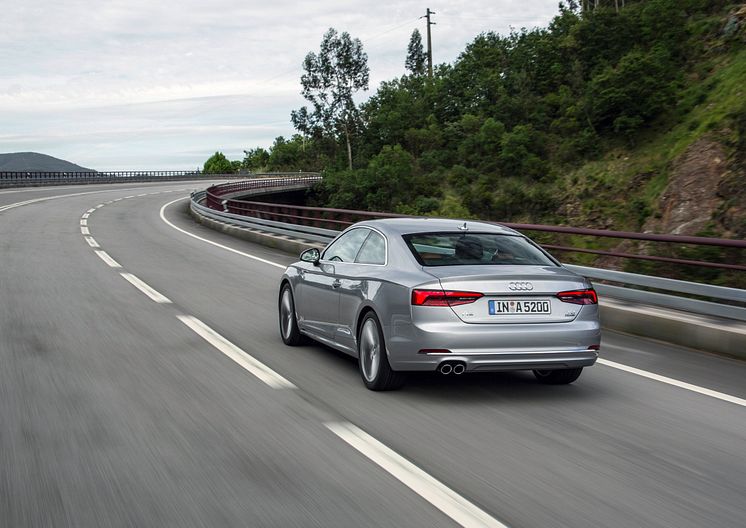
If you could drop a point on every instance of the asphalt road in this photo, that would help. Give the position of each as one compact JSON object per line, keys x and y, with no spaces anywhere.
{"x":115,"y":412}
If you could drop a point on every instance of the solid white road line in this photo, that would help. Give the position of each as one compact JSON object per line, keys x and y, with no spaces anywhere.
{"x":265,"y":261}
{"x":147,"y":290}
{"x":46,"y":198}
{"x":91,"y":242}
{"x":435,"y":492}
{"x":106,"y":258}
{"x":85,"y":231}
{"x":676,"y":383}
{"x":248,"y":362}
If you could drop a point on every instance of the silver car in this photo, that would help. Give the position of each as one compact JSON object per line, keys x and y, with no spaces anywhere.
{"x":421,"y":294}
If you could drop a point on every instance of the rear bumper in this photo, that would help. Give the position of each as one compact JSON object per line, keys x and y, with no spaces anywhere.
{"x":502,"y":361}
{"x":484,"y":348}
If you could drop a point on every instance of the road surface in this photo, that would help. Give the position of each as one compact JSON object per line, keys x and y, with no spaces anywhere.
{"x":143,"y":383}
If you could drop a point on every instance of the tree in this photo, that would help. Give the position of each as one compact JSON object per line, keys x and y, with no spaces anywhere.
{"x":416,"y":59}
{"x":255,"y":159}
{"x":218,"y":164}
{"x":330,"y":81}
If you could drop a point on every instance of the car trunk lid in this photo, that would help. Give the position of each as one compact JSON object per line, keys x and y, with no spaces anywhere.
{"x":511,"y":294}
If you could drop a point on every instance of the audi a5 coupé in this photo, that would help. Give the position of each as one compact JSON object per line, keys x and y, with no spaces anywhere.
{"x":422,"y":294}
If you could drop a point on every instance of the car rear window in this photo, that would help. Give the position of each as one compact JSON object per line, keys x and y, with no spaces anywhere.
{"x":455,"y":249}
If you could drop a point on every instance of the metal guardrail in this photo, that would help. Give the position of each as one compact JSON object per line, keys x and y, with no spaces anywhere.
{"x":665,"y":300}
{"x":221,"y":197}
{"x":313,"y":234}
{"x":307,"y":223}
{"x":36,"y":179}
{"x":341,"y":218}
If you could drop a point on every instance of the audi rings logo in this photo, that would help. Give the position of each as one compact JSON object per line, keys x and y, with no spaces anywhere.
{"x":521,"y":286}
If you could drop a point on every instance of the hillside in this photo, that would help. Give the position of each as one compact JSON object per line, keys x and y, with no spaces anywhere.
{"x":35,"y":162}
{"x":627,"y":119}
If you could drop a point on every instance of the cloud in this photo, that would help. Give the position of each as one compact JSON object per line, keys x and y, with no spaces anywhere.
{"x":95,"y":82}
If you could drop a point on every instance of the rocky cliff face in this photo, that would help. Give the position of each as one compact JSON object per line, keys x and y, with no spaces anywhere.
{"x":692,"y":196}
{"x":705,"y":195}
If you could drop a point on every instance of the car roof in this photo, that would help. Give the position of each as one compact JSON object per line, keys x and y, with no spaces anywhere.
{"x":404,"y":226}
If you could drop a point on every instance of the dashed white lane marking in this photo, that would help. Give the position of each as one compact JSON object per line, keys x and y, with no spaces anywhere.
{"x":676,"y":383}
{"x":248,"y":362}
{"x":99,"y":206}
{"x":91,"y":210}
{"x":128,"y":197}
{"x":432,"y":490}
{"x":259,"y":259}
{"x":103,"y":255}
{"x":84,"y":230}
{"x":91,"y":242}
{"x":147,"y":290}
{"x":84,"y":221}
{"x":85,"y":216}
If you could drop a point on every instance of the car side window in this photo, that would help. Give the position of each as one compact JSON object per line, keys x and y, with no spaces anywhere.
{"x":373,"y":250}
{"x":347,"y":246}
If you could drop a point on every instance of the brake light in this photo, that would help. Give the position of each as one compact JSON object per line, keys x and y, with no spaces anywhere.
{"x":579,"y":296}
{"x":443,"y":298}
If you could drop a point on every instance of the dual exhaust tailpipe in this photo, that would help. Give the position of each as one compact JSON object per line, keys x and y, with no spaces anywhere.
{"x":452,"y":367}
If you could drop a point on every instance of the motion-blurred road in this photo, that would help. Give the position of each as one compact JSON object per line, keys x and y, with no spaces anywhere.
{"x":114,"y":412}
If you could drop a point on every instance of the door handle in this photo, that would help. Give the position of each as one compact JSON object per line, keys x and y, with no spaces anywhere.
{"x":336,"y":284}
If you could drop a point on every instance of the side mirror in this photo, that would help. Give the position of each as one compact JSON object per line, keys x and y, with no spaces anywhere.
{"x":311,"y":255}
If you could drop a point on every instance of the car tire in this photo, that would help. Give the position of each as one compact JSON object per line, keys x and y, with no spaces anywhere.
{"x":373,"y":361}
{"x":289,"y":331}
{"x":558,"y":377}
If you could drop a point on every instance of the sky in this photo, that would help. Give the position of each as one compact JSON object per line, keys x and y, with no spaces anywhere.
{"x":157,"y":85}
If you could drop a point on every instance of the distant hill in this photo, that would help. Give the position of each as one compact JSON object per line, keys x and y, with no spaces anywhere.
{"x":35,"y":162}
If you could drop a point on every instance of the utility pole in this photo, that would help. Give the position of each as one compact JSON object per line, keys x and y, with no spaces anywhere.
{"x":429,"y":43}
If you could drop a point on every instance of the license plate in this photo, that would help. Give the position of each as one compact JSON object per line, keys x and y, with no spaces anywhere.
{"x":518,"y":306}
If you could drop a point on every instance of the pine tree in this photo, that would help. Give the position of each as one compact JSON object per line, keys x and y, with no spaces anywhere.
{"x":416,"y":58}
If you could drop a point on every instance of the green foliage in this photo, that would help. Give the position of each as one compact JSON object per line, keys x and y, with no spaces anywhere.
{"x":255,"y":160}
{"x":416,"y":60}
{"x":637,"y":89}
{"x":578,"y":122}
{"x":391,"y":182}
{"x":219,"y":164}
{"x":521,"y":153}
{"x":330,"y":80}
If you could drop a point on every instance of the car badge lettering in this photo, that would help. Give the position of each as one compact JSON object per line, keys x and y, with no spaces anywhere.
{"x":521,"y":286}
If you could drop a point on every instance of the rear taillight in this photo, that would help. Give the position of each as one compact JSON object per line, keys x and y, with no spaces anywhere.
{"x":443,"y":298}
{"x":579,"y":296}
